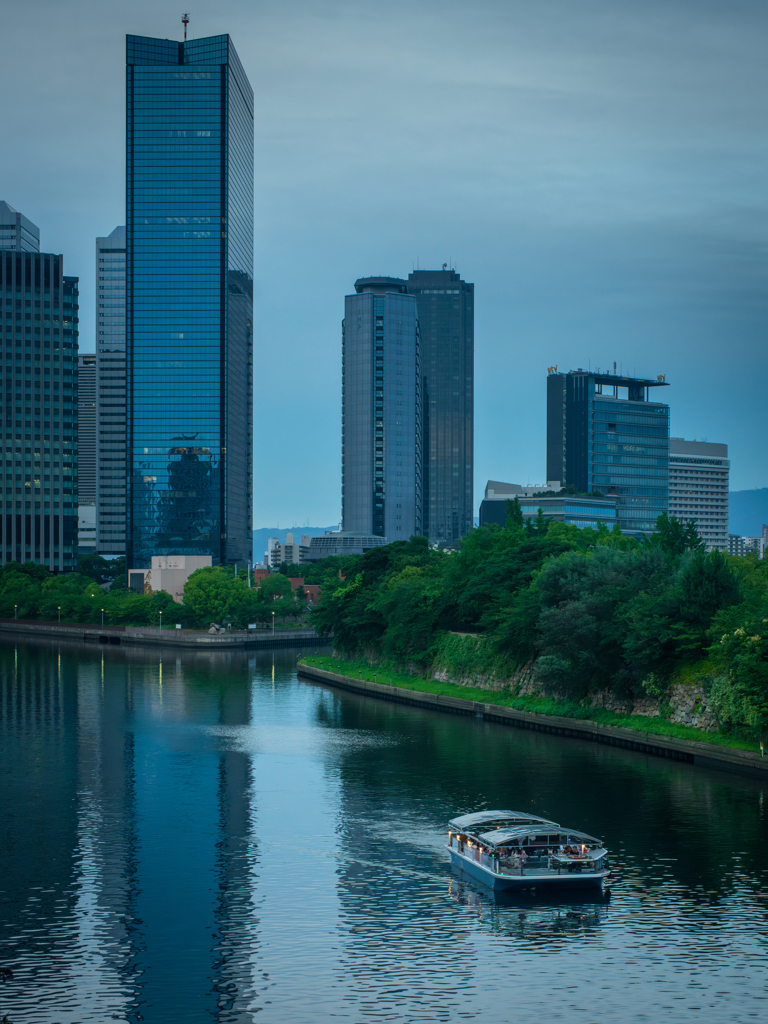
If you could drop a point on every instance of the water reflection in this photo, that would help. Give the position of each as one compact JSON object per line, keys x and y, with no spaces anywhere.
{"x":195,"y":837}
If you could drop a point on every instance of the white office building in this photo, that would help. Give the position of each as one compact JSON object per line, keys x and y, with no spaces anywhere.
{"x":698,"y":488}
{"x":290,"y":552}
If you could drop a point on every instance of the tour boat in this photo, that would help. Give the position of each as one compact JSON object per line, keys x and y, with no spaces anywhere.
{"x":512,"y":851}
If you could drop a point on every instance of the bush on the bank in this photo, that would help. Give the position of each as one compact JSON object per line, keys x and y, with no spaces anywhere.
{"x":212,"y":594}
{"x":589,"y":609}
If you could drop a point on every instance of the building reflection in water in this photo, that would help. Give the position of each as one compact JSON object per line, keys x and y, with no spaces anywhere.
{"x":129,"y":872}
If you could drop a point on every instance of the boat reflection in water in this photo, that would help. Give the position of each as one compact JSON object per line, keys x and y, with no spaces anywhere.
{"x":544,"y":922}
{"x":512,"y":852}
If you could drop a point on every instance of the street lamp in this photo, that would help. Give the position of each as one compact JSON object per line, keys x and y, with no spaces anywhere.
{"x":102,"y":618}
{"x":161,"y":620}
{"x":59,"y":613}
{"x":15,"y":614}
{"x":273,"y":623}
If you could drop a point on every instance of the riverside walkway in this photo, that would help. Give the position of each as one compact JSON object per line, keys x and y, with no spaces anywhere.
{"x":147,"y":636}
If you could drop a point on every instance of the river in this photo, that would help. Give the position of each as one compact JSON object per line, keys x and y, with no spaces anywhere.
{"x":206,"y":837}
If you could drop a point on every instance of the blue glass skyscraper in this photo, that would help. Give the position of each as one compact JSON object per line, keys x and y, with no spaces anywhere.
{"x":189,"y":297}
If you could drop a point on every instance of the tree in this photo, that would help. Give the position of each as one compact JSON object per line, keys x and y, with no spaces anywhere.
{"x":214,"y":594}
{"x":101,"y":569}
{"x":675,"y":537}
{"x":514,"y":514}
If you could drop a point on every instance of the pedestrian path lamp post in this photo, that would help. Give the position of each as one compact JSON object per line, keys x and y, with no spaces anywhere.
{"x":59,"y":610}
{"x":102,"y":618}
{"x":161,"y":620}
{"x":15,"y":613}
{"x":273,"y":623}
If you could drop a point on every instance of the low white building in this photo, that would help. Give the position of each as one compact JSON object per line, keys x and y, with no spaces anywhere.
{"x":169,"y":573}
{"x":290,"y":552}
{"x":744,"y":545}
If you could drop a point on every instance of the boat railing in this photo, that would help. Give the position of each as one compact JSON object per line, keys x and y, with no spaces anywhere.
{"x":520,"y":862}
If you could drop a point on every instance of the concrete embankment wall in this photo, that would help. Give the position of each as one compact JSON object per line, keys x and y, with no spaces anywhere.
{"x":144,"y":635}
{"x":692,"y":751}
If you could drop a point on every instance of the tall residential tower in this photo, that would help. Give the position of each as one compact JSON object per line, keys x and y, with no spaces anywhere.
{"x":445,"y":310}
{"x":605,"y":433}
{"x":189,"y":218}
{"x":111,"y":402}
{"x":698,"y":488}
{"x":86,"y":454}
{"x":381,"y":411}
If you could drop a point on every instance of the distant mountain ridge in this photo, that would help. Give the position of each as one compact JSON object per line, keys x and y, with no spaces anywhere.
{"x":747,"y":511}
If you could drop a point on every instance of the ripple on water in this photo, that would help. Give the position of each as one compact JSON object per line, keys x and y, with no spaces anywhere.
{"x":237,"y":845}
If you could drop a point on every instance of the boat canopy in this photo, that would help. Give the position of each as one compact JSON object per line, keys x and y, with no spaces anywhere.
{"x":509,"y":836}
{"x":469,"y":821}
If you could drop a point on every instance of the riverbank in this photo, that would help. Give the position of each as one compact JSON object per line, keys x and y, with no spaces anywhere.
{"x":149,"y":636}
{"x":653,"y":736}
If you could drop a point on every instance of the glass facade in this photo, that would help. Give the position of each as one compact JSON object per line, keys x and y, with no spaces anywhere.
{"x":189,"y":295}
{"x":381,"y":412}
{"x":445,"y":306}
{"x":38,"y":415}
{"x":600,"y":440}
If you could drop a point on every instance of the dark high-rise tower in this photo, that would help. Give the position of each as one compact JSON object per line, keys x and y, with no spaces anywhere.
{"x":381,"y":411}
{"x":605,"y":433}
{"x":445,"y":307}
{"x":39,"y":418}
{"x":189,"y":295}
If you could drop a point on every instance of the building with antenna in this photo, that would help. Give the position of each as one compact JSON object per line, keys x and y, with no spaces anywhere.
{"x":606,"y":434}
{"x":189,"y":300}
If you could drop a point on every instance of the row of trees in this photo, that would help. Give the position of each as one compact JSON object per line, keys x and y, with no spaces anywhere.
{"x":587,"y":609}
{"x":213,"y":594}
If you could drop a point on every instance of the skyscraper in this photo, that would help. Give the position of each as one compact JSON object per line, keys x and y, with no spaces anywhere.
{"x":445,"y":310}
{"x":381,"y":411}
{"x":112,"y":437}
{"x":39,"y":411}
{"x":86,"y":454}
{"x":604,"y":433}
{"x":189,"y":297}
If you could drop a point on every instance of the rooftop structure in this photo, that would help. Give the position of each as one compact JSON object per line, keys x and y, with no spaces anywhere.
{"x":338,"y":543}
{"x":606,"y":434}
{"x":17,"y":232}
{"x":579,"y":510}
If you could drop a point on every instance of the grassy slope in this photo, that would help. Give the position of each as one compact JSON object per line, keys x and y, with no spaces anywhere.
{"x":541,"y":705}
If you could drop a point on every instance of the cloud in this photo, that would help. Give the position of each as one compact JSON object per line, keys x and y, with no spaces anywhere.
{"x":597,"y":169}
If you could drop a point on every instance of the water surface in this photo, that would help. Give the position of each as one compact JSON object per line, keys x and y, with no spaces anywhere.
{"x":205,"y":837}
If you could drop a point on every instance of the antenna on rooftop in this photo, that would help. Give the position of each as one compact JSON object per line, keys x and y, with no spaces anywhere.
{"x":185,"y":22}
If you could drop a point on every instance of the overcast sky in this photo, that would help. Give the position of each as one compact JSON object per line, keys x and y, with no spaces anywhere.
{"x":596,"y":168}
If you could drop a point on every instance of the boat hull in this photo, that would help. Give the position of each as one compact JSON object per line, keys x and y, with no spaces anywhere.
{"x":521,"y":883}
